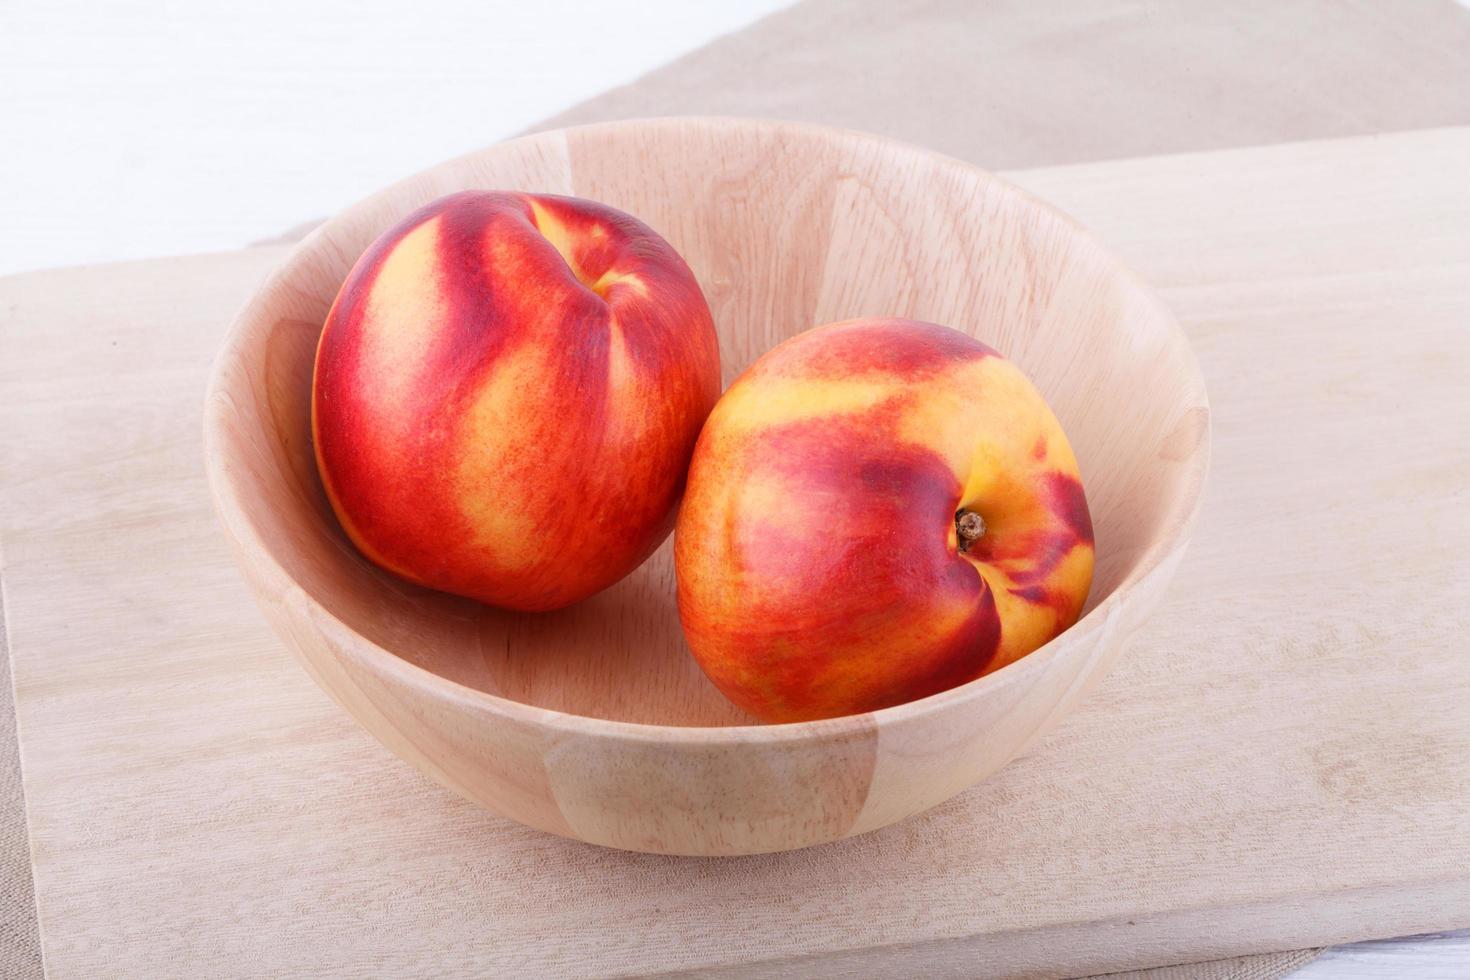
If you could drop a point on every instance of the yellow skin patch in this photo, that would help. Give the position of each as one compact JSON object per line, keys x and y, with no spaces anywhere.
{"x":400,"y":320}
{"x":501,"y":432}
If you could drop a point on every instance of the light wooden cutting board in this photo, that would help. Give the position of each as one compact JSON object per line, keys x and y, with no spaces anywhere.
{"x":1283,"y":759}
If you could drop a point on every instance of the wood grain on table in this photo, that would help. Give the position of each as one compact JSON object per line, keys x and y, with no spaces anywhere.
{"x":1282,"y":760}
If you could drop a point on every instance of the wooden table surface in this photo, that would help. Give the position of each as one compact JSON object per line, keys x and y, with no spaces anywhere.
{"x":1283,"y":760}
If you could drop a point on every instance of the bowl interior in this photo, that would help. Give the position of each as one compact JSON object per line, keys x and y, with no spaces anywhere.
{"x":786,"y":227}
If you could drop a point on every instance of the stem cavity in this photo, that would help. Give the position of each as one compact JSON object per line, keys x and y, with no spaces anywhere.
{"x":969,"y":527}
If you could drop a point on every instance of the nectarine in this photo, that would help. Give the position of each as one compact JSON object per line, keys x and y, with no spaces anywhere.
{"x":506,"y":395}
{"x":877,"y":510}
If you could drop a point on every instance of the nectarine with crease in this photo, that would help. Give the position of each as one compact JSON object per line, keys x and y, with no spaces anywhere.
{"x":877,"y":510}
{"x":507,"y":391}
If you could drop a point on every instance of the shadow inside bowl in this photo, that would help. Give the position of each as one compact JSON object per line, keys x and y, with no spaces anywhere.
{"x":619,"y":655}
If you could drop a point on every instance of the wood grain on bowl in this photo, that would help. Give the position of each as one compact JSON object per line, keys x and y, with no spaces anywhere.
{"x":595,"y":723}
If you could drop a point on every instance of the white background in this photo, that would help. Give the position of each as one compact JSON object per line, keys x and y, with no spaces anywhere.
{"x":136,"y":128}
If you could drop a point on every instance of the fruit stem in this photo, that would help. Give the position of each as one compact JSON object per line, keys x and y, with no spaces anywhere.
{"x":969,"y":526}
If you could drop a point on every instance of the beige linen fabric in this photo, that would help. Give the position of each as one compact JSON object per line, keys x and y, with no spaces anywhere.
{"x":1025,"y":83}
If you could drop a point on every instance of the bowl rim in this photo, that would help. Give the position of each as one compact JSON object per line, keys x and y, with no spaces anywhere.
{"x":1177,"y":521}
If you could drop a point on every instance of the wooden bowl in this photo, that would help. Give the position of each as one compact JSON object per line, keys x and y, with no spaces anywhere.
{"x":595,"y":723}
